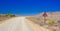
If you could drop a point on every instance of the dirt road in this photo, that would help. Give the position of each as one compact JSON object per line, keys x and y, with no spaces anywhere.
{"x":20,"y":24}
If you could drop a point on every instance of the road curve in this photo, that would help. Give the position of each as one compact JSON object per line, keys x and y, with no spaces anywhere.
{"x":20,"y":24}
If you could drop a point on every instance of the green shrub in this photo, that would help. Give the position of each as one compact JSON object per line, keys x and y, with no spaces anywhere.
{"x":10,"y":15}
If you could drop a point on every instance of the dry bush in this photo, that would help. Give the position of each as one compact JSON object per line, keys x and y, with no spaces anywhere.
{"x":32,"y":19}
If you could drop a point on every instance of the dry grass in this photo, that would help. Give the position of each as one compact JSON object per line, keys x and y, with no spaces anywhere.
{"x":3,"y":18}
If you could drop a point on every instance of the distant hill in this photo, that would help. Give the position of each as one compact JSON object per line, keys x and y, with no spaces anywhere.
{"x":50,"y":15}
{"x":40,"y":19}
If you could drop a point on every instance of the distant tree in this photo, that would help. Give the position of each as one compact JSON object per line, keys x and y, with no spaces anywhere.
{"x":10,"y":15}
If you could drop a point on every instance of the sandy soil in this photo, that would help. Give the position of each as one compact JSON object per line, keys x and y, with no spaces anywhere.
{"x":20,"y":24}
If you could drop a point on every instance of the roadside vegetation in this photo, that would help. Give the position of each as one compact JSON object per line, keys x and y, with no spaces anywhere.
{"x":10,"y":15}
{"x":6,"y":16}
{"x":50,"y":22}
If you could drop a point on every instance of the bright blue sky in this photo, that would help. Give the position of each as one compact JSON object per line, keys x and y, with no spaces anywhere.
{"x":28,"y":7}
